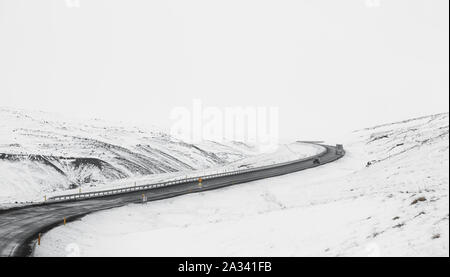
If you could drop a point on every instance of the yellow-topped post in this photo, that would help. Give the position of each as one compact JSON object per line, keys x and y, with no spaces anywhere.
{"x":200,"y":182}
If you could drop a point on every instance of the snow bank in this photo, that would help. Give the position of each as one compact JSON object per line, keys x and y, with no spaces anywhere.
{"x":396,"y":206}
{"x":42,"y":154}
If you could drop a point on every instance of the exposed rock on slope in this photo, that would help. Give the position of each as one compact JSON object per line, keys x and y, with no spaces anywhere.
{"x":396,"y":206}
{"x":40,"y":152}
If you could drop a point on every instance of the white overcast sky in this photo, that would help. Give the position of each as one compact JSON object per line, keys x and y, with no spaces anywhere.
{"x":330,"y":66}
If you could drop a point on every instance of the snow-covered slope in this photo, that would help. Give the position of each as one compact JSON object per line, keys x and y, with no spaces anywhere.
{"x":42,"y":153}
{"x":397,"y":205}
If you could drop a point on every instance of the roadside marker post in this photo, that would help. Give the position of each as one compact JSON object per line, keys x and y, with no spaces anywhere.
{"x":39,"y":239}
{"x":45,"y":198}
{"x":200,"y":182}
{"x":64,"y":221}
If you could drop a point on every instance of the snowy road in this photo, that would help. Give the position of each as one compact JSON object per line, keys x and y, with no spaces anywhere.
{"x":19,"y":227}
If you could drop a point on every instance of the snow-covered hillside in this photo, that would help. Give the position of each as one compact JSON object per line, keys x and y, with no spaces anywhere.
{"x":41,"y":153}
{"x":388,"y":196}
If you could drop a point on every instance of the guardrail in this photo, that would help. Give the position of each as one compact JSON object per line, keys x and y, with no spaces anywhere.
{"x":96,"y":194}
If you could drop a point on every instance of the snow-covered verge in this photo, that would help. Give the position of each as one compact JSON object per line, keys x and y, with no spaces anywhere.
{"x":396,"y":205}
{"x":284,"y":153}
{"x":43,"y":155}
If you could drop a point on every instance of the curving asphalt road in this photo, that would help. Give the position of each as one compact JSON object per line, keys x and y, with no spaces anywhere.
{"x":19,"y":227}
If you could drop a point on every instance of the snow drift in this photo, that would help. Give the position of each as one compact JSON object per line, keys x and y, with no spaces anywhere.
{"x":45,"y":155}
{"x":387,"y":197}
{"x":42,"y":153}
